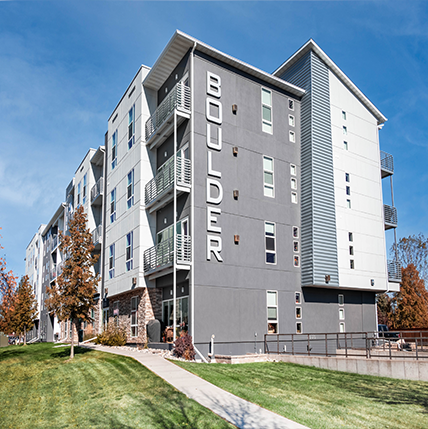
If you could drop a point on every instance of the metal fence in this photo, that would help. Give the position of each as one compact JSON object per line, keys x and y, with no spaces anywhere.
{"x":97,"y":189}
{"x":390,"y":215}
{"x":388,"y":345}
{"x":394,"y":271}
{"x":387,"y":161}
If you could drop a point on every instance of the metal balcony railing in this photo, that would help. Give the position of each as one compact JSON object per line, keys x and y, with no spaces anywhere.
{"x":179,"y":98}
{"x":97,"y":235}
{"x":97,"y":189}
{"x":386,"y":163}
{"x":390,"y":214}
{"x":163,"y":253}
{"x":52,"y":275}
{"x":55,"y":242}
{"x":394,"y":271}
{"x":164,"y":178}
{"x":59,"y":268}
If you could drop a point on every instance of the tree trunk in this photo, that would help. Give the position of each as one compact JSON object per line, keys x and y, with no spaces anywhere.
{"x":72,"y":340}
{"x":25,"y":335}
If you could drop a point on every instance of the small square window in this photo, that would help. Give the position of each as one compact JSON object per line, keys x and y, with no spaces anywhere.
{"x":341,"y":299}
{"x":291,"y":104}
{"x":293,"y":170}
{"x":291,"y":120}
{"x":296,"y":261}
{"x":348,"y":190}
{"x":345,"y":131}
{"x":295,"y":246}
{"x":350,"y":236}
{"x":298,"y":298}
{"x":298,"y":327}
{"x":293,"y":183}
{"x":294,"y":197}
{"x":348,"y":204}
{"x":345,"y":145}
{"x":343,"y":115}
{"x":351,"y":264}
{"x":292,"y":136}
{"x":347,"y":178}
{"x":298,"y":312}
{"x":351,"y":250}
{"x":295,"y":231}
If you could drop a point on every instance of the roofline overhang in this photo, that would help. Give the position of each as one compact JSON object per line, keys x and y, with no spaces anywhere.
{"x":311,"y":45}
{"x":180,"y":43}
{"x":54,"y":218}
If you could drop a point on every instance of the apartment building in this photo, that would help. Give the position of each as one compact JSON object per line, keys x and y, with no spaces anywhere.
{"x":239,"y":203}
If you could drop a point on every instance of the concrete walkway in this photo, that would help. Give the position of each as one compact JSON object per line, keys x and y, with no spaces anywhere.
{"x":241,"y":413}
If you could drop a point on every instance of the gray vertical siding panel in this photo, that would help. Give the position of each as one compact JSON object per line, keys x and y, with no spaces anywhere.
{"x":318,"y":215}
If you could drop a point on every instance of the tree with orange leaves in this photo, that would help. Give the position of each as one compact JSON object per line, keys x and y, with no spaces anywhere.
{"x":25,"y":312}
{"x":72,"y":295}
{"x":410,"y":305}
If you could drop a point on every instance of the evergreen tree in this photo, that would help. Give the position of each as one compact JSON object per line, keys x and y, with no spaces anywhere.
{"x":72,"y":295}
{"x":410,"y":305}
{"x":25,"y":308}
{"x":383,"y":302}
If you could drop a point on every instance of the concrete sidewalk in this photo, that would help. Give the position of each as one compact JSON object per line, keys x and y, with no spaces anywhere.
{"x":241,"y":413}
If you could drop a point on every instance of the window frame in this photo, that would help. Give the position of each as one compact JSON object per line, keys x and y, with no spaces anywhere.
{"x":296,"y":261}
{"x":291,"y":121}
{"x":291,"y":104}
{"x":344,"y":115}
{"x":345,"y":130}
{"x":297,"y":328}
{"x":272,"y":322}
{"x":111,"y":260}
{"x":341,"y":313}
{"x":352,"y":264}
{"x":266,"y":122}
{"x":134,"y":317}
{"x":348,"y":203}
{"x":292,"y":136}
{"x":131,"y":123}
{"x":298,"y":310}
{"x":294,"y":198}
{"x":293,"y":170}
{"x":345,"y":145}
{"x":293,"y":183}
{"x":130,"y":197}
{"x":270,"y":252}
{"x":347,"y":178}
{"x":85,"y":186}
{"x":295,"y":228}
{"x":298,"y":297}
{"x":348,"y":190}
{"x":341,"y":299}
{"x":129,"y":245}
{"x":342,"y":327}
{"x":114,"y":150}
{"x":267,"y":185}
{"x":113,"y":205}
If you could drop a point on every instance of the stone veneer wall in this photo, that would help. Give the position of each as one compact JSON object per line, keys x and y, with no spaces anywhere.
{"x":149,"y":308}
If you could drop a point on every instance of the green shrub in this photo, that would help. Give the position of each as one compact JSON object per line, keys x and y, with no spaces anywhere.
{"x":112,"y":336}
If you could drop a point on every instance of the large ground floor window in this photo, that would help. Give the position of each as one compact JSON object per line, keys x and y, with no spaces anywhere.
{"x":182,"y":313}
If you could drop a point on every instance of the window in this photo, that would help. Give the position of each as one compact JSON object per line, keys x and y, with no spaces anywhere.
{"x":295,"y":231}
{"x":291,"y":104}
{"x":293,"y":170}
{"x":269,"y":190}
{"x":116,"y":313}
{"x":341,"y":313}
{"x":298,"y":327}
{"x":270,"y":243}
{"x":113,"y":205}
{"x":266,"y":111}
{"x":129,"y":251}
{"x":78,"y":193}
{"x":345,"y":131}
{"x":298,"y":297}
{"x":296,"y":261}
{"x":351,"y":250}
{"x":298,"y":312}
{"x":105,"y":317}
{"x":85,"y":186}
{"x":296,"y":246}
{"x":348,"y":190}
{"x":347,"y":178}
{"x":131,"y":127}
{"x":341,"y":327}
{"x":134,"y":316}
{"x":343,"y":115}
{"x":294,"y":197}
{"x":350,"y":236}
{"x":293,"y":183}
{"x":114,"y":150}
{"x":292,"y":136}
{"x":291,"y":120}
{"x":182,"y":312}
{"x":111,"y":262}
{"x":272,"y":311}
{"x":341,"y":299}
{"x":345,"y":145}
{"x":93,"y":318}
{"x":351,"y":264}
{"x":130,"y":190}
{"x":348,"y":204}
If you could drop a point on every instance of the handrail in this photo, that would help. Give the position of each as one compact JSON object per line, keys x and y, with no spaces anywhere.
{"x":390,"y":214}
{"x":394,"y":270}
{"x":386,"y":161}
{"x":97,"y":189}
{"x":179,"y":98}
{"x":97,"y":235}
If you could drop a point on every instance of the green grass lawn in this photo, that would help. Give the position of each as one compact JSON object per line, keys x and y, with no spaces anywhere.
{"x":40,"y":388}
{"x":321,"y":398}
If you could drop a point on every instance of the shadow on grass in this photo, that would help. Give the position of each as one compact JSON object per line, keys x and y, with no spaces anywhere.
{"x":8,"y":354}
{"x":65,"y":352}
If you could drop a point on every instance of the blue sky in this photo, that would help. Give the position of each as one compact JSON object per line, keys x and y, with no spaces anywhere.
{"x":65,"y":64}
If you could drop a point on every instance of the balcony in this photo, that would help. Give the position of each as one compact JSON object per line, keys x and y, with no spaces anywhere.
{"x":52,"y":274}
{"x":97,"y":237}
{"x":390,"y":214}
{"x":160,"y":124}
{"x":160,"y":190}
{"x":159,"y":259}
{"x":54,"y":242}
{"x":394,"y":272}
{"x":386,"y":164}
{"x":97,"y":192}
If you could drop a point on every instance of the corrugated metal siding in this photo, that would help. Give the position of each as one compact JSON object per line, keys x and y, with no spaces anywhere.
{"x":318,"y":215}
